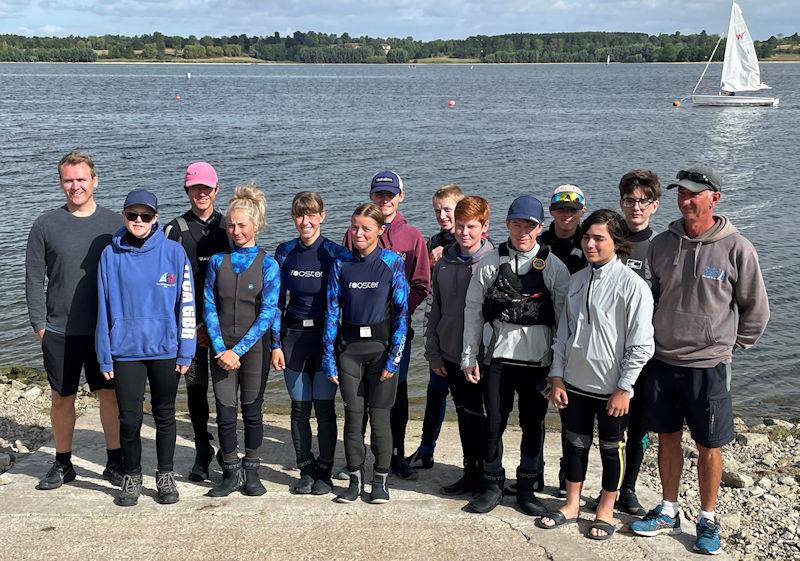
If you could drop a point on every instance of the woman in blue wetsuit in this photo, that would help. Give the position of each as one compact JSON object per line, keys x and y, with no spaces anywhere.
{"x":365,"y":331}
{"x":297,"y":340}
{"x":241,"y":302}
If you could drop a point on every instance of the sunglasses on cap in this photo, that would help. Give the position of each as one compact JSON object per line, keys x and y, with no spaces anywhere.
{"x":567,"y":197}
{"x":697,"y":178}
{"x":145,"y":216}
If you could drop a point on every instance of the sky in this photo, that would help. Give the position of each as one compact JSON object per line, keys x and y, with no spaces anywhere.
{"x":421,"y":19}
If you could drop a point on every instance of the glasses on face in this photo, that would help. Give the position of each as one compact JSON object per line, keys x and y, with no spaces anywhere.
{"x":567,"y":197}
{"x":145,"y":216}
{"x":697,"y":178}
{"x":630,"y":202}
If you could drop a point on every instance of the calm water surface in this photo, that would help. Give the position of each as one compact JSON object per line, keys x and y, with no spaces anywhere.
{"x":516,"y":129}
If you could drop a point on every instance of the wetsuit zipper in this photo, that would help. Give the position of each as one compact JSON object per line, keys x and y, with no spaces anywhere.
{"x":588,"y":293}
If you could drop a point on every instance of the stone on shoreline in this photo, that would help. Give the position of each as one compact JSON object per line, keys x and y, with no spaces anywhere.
{"x":20,"y":448}
{"x":732,"y":521}
{"x":770,"y":422}
{"x":736,"y":480}
{"x":32,"y":393}
{"x":5,"y":460}
{"x":13,"y":395}
{"x":752,"y":438}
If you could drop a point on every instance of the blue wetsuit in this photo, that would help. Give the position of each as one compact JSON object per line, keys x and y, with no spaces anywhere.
{"x":241,"y":303}
{"x":369,"y":296}
{"x":297,"y":331}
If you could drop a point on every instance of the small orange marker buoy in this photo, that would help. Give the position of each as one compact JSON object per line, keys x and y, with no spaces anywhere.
{"x":451,"y":103}
{"x":177,"y":98}
{"x":676,"y":103}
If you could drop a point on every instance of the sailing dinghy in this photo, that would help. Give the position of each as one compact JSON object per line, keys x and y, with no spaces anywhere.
{"x":740,"y":71}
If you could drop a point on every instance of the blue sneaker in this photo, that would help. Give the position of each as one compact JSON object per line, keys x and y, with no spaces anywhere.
{"x":655,"y":523}
{"x":707,"y":538}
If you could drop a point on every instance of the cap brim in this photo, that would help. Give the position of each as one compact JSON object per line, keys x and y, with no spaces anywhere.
{"x":380,"y":188}
{"x":523,"y":217}
{"x":193,"y":182}
{"x":691,"y":186}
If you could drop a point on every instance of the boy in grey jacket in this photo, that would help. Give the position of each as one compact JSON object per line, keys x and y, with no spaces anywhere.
{"x":710,"y":299}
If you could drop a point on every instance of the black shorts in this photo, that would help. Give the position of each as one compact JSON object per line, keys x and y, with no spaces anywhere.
{"x":64,"y":358}
{"x":700,"y":396}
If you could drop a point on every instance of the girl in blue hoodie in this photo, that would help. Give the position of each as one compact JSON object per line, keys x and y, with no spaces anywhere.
{"x":145,"y":333}
{"x":241,"y":302}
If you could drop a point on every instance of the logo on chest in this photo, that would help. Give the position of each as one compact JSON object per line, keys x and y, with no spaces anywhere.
{"x":306,"y":274}
{"x":634,"y":263}
{"x":166,"y":280}
{"x":366,"y":285}
{"x":715,"y":273}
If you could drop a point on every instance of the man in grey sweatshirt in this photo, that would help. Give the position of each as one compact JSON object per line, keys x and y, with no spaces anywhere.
{"x":710,"y":299}
{"x":64,"y":247}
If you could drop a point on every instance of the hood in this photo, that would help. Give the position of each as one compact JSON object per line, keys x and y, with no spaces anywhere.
{"x":120,"y":242}
{"x":451,"y":254}
{"x":722,"y":228}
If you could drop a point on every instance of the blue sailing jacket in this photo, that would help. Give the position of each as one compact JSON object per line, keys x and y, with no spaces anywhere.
{"x":241,"y":259}
{"x":304,"y":276}
{"x":146,"y":305}
{"x":364,"y":291}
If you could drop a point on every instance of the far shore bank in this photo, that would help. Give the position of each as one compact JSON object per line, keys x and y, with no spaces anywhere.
{"x":425,"y":62}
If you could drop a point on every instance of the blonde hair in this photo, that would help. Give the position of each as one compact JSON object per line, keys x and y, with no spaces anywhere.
{"x":448,"y":191}
{"x":251,"y":200}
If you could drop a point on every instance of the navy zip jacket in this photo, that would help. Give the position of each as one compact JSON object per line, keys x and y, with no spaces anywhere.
{"x":304,"y":276}
{"x":365,"y":291}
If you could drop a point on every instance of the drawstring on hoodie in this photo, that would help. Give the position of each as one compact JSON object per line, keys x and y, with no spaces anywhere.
{"x":696,"y":254}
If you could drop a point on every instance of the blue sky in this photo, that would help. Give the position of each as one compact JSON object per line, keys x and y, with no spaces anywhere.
{"x":422,"y":19}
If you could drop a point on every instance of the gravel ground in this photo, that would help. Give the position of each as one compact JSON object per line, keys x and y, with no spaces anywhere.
{"x":758,"y":509}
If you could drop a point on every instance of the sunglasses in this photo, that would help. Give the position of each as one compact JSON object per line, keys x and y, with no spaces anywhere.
{"x":145,"y":216}
{"x":567,"y":197}
{"x":697,"y":178}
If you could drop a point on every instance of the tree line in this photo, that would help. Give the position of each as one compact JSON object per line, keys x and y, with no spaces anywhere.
{"x":331,"y":48}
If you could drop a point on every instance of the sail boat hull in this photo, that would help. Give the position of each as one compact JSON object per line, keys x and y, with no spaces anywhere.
{"x":735,"y":100}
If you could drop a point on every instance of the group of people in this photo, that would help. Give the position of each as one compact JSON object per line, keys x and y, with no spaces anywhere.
{"x":619,"y":328}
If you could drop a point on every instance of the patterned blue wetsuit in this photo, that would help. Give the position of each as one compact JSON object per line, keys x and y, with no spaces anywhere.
{"x":298,"y":333}
{"x":369,"y":295}
{"x":241,"y":298}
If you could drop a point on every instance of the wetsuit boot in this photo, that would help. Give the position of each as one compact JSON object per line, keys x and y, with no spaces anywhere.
{"x":322,"y":482}
{"x":492,"y":494}
{"x":232,"y":479}
{"x":204,"y":452}
{"x":252,"y":486}
{"x":379,"y":493}
{"x":470,"y":480}
{"x":306,"y":482}
{"x":527,"y":501}
{"x":353,"y":492}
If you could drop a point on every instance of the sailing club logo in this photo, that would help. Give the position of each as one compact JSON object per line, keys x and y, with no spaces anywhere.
{"x":166,"y":280}
{"x":741,"y":35}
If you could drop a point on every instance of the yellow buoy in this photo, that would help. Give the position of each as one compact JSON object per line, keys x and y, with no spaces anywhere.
{"x":451,"y":103}
{"x":676,"y":103}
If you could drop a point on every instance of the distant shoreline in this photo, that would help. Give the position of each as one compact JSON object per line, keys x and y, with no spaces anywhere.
{"x":438,"y":62}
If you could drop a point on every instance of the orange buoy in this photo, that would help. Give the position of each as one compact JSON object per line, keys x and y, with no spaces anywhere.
{"x":177,"y":98}
{"x":676,"y":103}
{"x":451,"y":103}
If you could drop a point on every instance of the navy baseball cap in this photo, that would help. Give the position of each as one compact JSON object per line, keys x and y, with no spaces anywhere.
{"x":141,"y":197}
{"x":386,"y":180}
{"x":526,"y":208}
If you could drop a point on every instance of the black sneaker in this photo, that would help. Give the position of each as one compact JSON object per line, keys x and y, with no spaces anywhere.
{"x":628,"y":502}
{"x":353,"y":492}
{"x":113,"y":474}
{"x":204,"y":452}
{"x":379,"y":494}
{"x":57,"y":475}
{"x":166,"y":488}
{"x":131,"y":489}
{"x":401,"y":469}
{"x":420,"y":460}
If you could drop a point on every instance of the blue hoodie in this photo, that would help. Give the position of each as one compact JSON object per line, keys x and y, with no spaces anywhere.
{"x":146,"y":302}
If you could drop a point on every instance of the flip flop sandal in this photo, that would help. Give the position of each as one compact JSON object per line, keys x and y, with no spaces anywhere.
{"x":558,"y":519}
{"x":600,"y":525}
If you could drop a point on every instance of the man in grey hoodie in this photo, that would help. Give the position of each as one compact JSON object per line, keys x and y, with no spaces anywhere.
{"x":710,"y":299}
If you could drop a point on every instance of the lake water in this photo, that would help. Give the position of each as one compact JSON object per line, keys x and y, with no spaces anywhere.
{"x":516,"y":129}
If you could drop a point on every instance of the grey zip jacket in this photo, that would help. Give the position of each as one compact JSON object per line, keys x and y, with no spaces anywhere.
{"x":516,"y":344}
{"x":445,"y":317}
{"x":709,"y":292}
{"x":606,"y":335}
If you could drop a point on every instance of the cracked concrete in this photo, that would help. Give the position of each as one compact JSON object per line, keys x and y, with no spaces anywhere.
{"x":79,"y":521}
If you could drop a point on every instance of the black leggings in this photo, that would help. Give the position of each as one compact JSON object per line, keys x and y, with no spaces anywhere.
{"x":130,"y":378}
{"x":637,"y":438}
{"x":360,"y":366}
{"x":249,"y":381}
{"x":500,"y":381}
{"x":578,"y":419}
{"x":197,"y":394}
{"x":468,"y":399}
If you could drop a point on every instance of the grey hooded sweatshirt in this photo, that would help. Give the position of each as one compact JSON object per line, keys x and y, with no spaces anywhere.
{"x":709,"y":293}
{"x":445,"y":317}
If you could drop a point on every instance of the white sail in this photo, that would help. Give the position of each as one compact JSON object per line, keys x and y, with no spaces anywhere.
{"x":740,"y":72}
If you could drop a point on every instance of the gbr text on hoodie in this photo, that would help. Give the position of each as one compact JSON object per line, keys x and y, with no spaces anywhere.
{"x":709,"y":293}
